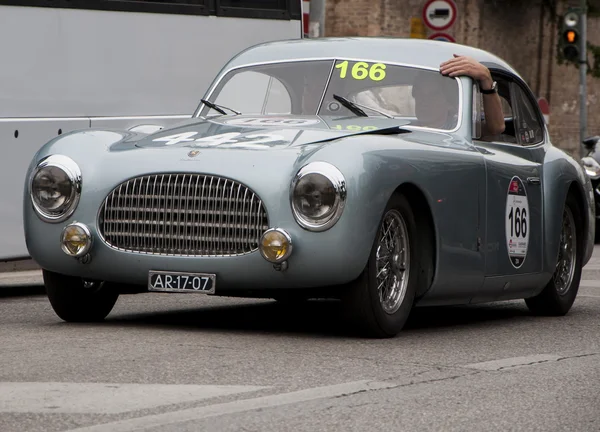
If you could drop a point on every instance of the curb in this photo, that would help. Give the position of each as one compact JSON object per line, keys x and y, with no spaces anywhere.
{"x":17,"y":265}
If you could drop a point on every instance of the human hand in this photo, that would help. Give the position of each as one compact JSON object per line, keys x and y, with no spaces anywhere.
{"x":463,"y":65}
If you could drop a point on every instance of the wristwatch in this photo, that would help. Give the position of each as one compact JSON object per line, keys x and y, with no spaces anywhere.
{"x":493,"y":90}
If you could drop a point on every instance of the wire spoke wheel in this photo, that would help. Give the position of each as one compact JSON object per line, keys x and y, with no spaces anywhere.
{"x":392,"y":262}
{"x":565,"y":266}
{"x":558,"y":296}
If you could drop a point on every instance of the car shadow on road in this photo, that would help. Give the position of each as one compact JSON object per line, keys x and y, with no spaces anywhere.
{"x":323,"y":317}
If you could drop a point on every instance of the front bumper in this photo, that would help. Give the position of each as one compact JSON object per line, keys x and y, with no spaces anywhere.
{"x":318,"y":259}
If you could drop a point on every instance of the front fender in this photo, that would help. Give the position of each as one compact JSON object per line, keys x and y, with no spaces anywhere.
{"x":450,"y":179}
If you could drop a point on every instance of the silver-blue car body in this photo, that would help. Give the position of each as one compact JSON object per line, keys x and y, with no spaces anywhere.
{"x":335,"y":167}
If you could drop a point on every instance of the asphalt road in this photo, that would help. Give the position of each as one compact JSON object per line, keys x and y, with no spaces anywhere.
{"x":192,"y":363}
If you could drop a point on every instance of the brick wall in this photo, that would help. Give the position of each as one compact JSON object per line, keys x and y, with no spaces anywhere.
{"x":521,"y":32}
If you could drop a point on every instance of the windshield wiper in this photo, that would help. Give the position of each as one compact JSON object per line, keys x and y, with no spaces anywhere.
{"x":355,"y":109}
{"x":218,"y":107}
{"x":353,"y":106}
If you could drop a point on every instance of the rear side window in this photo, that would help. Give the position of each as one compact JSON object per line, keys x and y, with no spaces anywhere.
{"x":528,"y":126}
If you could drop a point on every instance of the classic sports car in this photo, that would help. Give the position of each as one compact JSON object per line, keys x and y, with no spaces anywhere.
{"x":342,"y":168}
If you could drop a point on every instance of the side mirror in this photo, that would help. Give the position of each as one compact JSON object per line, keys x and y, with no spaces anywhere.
{"x":591,"y":142}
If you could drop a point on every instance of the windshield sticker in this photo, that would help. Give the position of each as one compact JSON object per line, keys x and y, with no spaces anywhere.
{"x":261,"y":121}
{"x":354,"y":128}
{"x":362,"y":70}
{"x":517,"y":222}
{"x":232,"y":138}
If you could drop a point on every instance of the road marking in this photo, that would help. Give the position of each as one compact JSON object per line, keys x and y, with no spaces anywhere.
{"x":495,"y":365}
{"x":195,"y":414}
{"x":590,"y":283}
{"x":588,"y":295}
{"x":104,"y":398}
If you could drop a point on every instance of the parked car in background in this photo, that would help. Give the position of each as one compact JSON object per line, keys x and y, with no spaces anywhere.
{"x":591,"y":163}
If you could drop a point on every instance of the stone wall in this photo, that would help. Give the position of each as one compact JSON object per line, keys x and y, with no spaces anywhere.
{"x":523,"y":32}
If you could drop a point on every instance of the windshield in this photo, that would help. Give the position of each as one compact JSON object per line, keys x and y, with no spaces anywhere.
{"x":417,"y":96}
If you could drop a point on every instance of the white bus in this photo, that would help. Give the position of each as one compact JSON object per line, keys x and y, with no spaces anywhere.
{"x":75,"y":64}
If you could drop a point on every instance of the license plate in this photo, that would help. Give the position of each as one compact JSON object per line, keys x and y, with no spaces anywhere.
{"x":164,"y":281}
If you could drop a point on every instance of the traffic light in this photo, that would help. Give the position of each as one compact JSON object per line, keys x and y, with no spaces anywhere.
{"x":570,"y":35}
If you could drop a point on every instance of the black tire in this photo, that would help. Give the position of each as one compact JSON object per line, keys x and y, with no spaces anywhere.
{"x":553,"y":300}
{"x":362,"y":301}
{"x":73,"y":301}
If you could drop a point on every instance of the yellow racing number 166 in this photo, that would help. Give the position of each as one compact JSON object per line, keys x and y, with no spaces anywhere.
{"x":362,"y":70}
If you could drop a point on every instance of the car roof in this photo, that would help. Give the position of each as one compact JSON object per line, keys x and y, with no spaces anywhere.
{"x":418,"y":52}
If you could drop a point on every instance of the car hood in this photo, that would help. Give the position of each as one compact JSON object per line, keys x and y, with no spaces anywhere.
{"x":261,"y":132}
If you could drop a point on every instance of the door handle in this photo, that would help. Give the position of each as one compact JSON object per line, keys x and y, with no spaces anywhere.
{"x":533,"y":180}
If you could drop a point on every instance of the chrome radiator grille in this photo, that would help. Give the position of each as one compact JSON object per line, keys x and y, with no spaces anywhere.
{"x":183,"y":214}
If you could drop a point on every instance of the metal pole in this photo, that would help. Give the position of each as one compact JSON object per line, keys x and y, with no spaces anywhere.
{"x":582,"y":78}
{"x":317,"y":18}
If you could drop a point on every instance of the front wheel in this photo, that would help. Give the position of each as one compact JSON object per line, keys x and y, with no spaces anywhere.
{"x":381,"y":300}
{"x":559,"y":295}
{"x":76,"y":300}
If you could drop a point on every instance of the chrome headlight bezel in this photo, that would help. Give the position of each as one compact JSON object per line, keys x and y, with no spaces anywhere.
{"x":591,"y":167}
{"x":73,"y":172}
{"x":337,"y":180}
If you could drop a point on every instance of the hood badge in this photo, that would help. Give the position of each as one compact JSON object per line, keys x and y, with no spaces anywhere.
{"x":194,"y":153}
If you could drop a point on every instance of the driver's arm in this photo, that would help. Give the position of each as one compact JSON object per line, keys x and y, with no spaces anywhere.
{"x":492,"y":107}
{"x":462,"y":65}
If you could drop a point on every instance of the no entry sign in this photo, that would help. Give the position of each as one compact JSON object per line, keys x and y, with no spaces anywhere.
{"x":439,"y":14}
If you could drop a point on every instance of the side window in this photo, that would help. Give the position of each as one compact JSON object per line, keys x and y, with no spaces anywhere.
{"x":477,"y":113}
{"x":479,"y":130}
{"x":529,"y":130}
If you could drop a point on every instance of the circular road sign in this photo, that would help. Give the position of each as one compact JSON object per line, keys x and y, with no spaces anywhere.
{"x":439,"y":14}
{"x":442,"y":37}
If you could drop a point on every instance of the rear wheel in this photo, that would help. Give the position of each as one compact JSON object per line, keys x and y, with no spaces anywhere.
{"x":381,"y":300}
{"x":76,"y":300}
{"x":559,"y":295}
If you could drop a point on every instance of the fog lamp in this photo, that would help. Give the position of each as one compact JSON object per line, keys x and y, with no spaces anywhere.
{"x":275,"y":245}
{"x":76,"y":239}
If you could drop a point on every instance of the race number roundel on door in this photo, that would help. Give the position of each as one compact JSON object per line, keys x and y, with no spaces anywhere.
{"x":517,"y":222}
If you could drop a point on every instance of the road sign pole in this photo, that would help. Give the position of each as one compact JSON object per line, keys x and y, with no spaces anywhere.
{"x":582,"y":78}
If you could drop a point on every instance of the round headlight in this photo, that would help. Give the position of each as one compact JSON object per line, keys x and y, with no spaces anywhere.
{"x":76,"y":239}
{"x":275,"y":245}
{"x":318,"y":196}
{"x":55,"y":188}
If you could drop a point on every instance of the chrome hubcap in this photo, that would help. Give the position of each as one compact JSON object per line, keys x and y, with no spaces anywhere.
{"x":393,"y":262}
{"x":565,"y":266}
